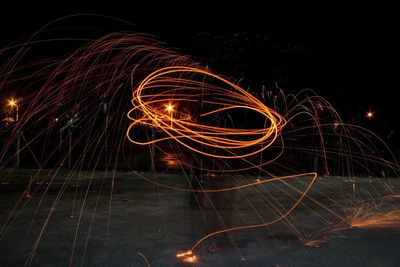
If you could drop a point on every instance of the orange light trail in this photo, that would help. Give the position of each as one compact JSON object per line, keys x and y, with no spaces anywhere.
{"x":156,"y":89}
{"x":197,"y":111}
{"x":152,"y":100}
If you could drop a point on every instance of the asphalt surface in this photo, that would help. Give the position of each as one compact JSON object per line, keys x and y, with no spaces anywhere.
{"x":147,"y":225}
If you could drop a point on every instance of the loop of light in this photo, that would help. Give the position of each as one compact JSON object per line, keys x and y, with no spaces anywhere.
{"x":159,"y":95}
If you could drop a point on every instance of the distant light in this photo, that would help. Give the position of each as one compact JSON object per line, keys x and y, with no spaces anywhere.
{"x":369,"y":115}
{"x":12,"y":102}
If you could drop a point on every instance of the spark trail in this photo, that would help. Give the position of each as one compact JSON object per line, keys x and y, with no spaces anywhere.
{"x":91,"y":110}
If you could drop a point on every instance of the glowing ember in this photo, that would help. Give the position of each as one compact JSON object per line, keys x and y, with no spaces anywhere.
{"x":188,"y":257}
{"x":184,"y":254}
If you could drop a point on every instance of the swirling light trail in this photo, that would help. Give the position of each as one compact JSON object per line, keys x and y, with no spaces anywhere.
{"x":155,"y":95}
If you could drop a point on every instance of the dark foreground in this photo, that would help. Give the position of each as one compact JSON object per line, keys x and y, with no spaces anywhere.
{"x":148,"y":223}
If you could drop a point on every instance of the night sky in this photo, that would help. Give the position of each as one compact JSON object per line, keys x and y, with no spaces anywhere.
{"x":350,"y":55}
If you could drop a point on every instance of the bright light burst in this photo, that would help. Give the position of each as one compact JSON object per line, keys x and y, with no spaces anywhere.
{"x":169,"y":108}
{"x":12,"y":103}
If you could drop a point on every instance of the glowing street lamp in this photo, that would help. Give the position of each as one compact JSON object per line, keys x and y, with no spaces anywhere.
{"x":170,"y":109}
{"x":13,"y":104}
{"x":369,"y":115}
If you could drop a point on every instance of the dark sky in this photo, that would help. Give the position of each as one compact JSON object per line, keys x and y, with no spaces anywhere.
{"x":349,"y":54}
{"x":305,"y":22}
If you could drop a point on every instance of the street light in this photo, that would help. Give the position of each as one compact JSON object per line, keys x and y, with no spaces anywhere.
{"x":13,"y":103}
{"x":369,"y":115}
{"x":170,"y":109}
{"x":20,"y":135}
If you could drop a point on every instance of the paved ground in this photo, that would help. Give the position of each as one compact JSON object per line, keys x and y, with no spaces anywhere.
{"x":150,"y":223}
